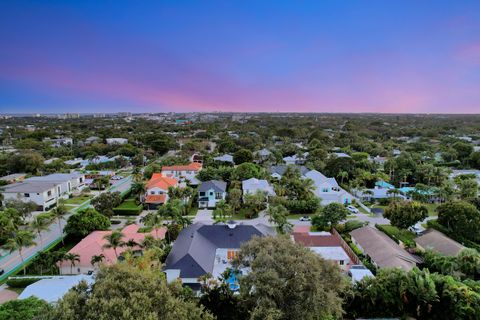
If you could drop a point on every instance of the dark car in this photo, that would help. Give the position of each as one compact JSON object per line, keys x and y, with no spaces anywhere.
{"x":2,"y":271}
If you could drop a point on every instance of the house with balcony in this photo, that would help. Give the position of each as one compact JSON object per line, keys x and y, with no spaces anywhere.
{"x":210,"y":192}
{"x":156,"y":192}
{"x":45,"y":191}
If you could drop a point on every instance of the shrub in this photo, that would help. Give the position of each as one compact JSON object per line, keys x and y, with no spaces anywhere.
{"x":21,"y":282}
{"x":352,"y":225}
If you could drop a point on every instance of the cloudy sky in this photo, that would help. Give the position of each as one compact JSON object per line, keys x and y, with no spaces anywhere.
{"x":304,"y":56}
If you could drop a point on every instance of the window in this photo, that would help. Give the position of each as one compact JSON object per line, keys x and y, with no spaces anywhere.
{"x":81,"y":180}
{"x":202,"y":194}
{"x":341,"y":262}
{"x":211,"y":193}
{"x":152,"y":192}
{"x":26,"y":195}
{"x":49,"y":193}
{"x":325,"y":190}
{"x":218,"y":195}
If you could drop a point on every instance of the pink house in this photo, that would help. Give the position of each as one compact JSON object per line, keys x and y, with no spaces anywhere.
{"x":92,"y":245}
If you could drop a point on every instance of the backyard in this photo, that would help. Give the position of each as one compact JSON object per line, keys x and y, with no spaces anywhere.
{"x":77,"y":200}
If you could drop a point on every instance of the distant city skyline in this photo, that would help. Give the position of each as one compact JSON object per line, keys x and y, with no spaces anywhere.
{"x":240,"y":56}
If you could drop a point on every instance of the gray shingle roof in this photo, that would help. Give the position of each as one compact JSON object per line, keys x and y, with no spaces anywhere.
{"x":280,"y":169}
{"x":193,"y":252}
{"x":437,"y":241}
{"x":216,"y":185}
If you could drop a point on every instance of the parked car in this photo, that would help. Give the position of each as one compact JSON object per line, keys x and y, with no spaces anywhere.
{"x":352,"y":209}
{"x":305,"y":218}
{"x":2,"y":271}
{"x":416,"y":229}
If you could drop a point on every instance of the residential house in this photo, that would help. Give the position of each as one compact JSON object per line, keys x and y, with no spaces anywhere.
{"x":296,"y":159}
{"x":437,"y":241}
{"x":210,"y":192}
{"x":383,"y":251}
{"x":329,"y":246}
{"x":59,"y":142}
{"x":278,"y":171}
{"x":341,"y":155}
{"x":196,"y":158}
{"x":254,"y":185}
{"x":92,"y":139}
{"x":327,"y":189}
{"x":45,"y":191}
{"x":157,"y":190}
{"x":456,"y":173}
{"x":208,"y":249}
{"x":93,"y":245}
{"x":224,"y":158}
{"x":53,"y":288}
{"x":112,"y":141}
{"x":186,"y":173}
{"x":263,"y":154}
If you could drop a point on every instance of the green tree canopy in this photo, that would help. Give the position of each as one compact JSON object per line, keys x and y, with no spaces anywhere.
{"x":24,"y":309}
{"x":461,"y":218}
{"x":106,"y":201}
{"x":404,"y":214}
{"x":84,"y":222}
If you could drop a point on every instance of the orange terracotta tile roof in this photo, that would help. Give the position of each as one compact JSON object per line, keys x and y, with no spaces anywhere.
{"x":162,"y":182}
{"x":194,"y":166}
{"x":92,"y":245}
{"x":155,"y":198}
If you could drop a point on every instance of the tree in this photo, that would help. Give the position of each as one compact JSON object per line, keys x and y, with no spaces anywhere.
{"x":102,"y":182}
{"x":25,"y":309}
{"x":288,"y":281}
{"x":246,"y":171}
{"x":242,"y":156}
{"x":138,"y":189}
{"x":129,"y":292}
{"x":22,"y":239}
{"x":106,"y":201}
{"x":278,"y":215}
{"x":255,"y":202}
{"x":404,"y":214}
{"x":114,"y":241}
{"x":24,"y":208}
{"x":222,"y":211}
{"x":461,"y":218}
{"x":58,"y":213}
{"x":72,"y":258}
{"x":41,"y":223}
{"x":467,"y":188}
{"x":84,"y":222}
{"x":330,"y":215}
{"x":234,"y":198}
{"x":10,"y":220}
{"x":97,"y":259}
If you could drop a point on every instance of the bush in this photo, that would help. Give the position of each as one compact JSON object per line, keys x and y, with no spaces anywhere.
{"x":298,"y":206}
{"x":128,"y":208}
{"x":352,"y":225}
{"x":21,"y":282}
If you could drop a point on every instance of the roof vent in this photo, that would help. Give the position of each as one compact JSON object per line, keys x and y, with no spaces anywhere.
{"x":231,"y":224}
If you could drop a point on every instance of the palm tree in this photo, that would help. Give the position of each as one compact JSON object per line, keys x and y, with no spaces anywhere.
{"x":139,"y":189}
{"x":394,"y":192}
{"x":73,"y":258}
{"x":114,"y":241}
{"x":22,"y":239}
{"x":342,"y":175}
{"x":97,"y":259}
{"x":131,"y":243}
{"x":153,"y":220}
{"x":39,"y":224}
{"x":58,"y":213}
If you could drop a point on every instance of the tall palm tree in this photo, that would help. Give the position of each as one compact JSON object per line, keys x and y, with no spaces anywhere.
{"x":139,"y":189}
{"x":58,"y":213}
{"x":342,"y":175}
{"x":97,"y":259}
{"x":72,"y":258}
{"x":39,"y":224}
{"x":114,"y":241}
{"x":153,"y":220}
{"x":131,"y":243}
{"x":22,"y":239}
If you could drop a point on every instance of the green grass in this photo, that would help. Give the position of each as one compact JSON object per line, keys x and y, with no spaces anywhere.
{"x":297,"y":216}
{"x":17,"y":290}
{"x":402,"y":235}
{"x":128,"y":204}
{"x":77,"y":200}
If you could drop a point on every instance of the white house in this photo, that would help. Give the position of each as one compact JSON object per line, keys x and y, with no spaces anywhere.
{"x":327,"y":189}
{"x":296,"y":159}
{"x":157,"y":190}
{"x":45,"y":191}
{"x":251,"y":186}
{"x":59,"y":142}
{"x":116,"y":141}
{"x":186,"y":173}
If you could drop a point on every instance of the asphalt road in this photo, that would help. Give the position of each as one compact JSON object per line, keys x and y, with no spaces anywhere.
{"x":13,"y":260}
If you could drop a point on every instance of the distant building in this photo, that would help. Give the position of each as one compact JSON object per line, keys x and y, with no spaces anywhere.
{"x":15,"y":177}
{"x":59,"y":142}
{"x":225,"y":158}
{"x":112,"y":141}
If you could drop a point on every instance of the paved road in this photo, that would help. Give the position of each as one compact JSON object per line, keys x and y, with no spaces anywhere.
{"x":12,"y":261}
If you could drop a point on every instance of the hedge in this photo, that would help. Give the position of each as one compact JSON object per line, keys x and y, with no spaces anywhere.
{"x":21,"y":282}
{"x":128,"y":211}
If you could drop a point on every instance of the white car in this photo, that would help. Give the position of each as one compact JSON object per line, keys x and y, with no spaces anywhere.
{"x":352,"y":209}
{"x":305,"y":218}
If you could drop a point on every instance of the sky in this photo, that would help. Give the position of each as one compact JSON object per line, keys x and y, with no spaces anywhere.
{"x":240,"y":56}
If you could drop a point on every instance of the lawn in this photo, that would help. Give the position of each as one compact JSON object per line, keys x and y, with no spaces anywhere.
{"x":77,"y":200}
{"x":128,"y":204}
{"x":403,"y":235}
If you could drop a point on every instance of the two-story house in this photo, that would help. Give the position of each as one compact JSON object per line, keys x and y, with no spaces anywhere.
{"x":210,"y":192}
{"x":45,"y":191}
{"x":327,"y":189}
{"x":157,"y":190}
{"x":185,"y":173}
